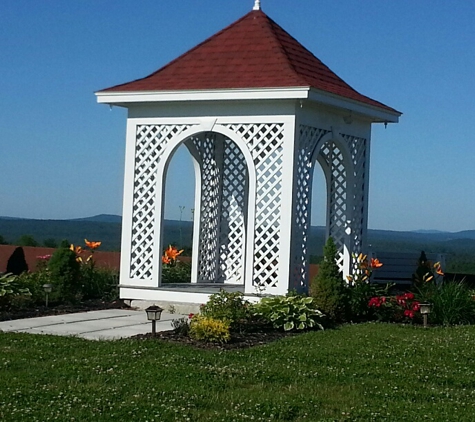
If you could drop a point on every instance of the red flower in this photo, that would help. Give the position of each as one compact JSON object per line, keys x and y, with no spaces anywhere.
{"x":409,"y":296}
{"x":409,"y":313}
{"x":374,"y":301}
{"x":416,"y":306}
{"x":191,"y":315}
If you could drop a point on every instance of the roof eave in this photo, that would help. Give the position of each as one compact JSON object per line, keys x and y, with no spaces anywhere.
{"x":126,"y":98}
{"x":374,"y":113}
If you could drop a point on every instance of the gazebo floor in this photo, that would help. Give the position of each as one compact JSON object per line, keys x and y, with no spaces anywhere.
{"x":208,"y":288}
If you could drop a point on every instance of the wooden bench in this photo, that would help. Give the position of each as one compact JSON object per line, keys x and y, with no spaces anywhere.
{"x":399,"y":267}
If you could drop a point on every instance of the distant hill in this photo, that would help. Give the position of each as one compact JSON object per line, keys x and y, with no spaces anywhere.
{"x":101,"y":218}
{"x":107,"y":228}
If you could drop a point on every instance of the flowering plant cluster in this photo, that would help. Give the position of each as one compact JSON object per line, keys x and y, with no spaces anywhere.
{"x":90,"y":248}
{"x":395,"y":308}
{"x":427,"y":272}
{"x":364,"y":269}
{"x":170,"y":256}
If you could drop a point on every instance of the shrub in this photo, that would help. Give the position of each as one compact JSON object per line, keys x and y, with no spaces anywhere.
{"x":290,"y":312}
{"x":34,"y":283}
{"x":209,"y":329}
{"x":227,"y":306}
{"x":16,"y":264}
{"x":328,"y":288}
{"x":65,"y":274}
{"x":10,"y":291}
{"x":98,"y":283}
{"x":181,"y":326}
{"x":452,"y":303}
{"x":180,"y":273}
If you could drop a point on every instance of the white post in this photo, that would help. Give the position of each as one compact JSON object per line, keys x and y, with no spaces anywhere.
{"x":257,"y":5}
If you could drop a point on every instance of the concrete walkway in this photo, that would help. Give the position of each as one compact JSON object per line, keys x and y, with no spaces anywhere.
{"x":108,"y":324}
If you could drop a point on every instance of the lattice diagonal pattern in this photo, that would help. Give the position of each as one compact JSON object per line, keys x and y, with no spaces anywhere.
{"x":358,"y":149}
{"x":233,"y":209}
{"x":223,"y":206}
{"x":151,"y":140}
{"x":211,"y":191}
{"x":337,"y":185}
{"x":308,"y":139}
{"x":265,"y":141}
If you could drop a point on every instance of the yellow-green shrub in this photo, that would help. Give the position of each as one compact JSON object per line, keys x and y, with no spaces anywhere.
{"x":209,"y":329}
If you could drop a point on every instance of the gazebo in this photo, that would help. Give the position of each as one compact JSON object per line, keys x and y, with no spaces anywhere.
{"x":256,"y":110}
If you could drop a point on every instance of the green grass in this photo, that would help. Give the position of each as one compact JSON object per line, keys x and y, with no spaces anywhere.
{"x":367,"y":372}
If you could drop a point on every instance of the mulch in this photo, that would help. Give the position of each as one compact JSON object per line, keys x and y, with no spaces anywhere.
{"x":238,"y":340}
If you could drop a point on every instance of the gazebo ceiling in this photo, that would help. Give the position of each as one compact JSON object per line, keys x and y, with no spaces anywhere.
{"x":253,"y":52}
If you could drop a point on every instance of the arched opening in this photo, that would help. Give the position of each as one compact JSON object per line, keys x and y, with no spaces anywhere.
{"x":220,"y":206}
{"x":318,"y":217}
{"x":178,"y":205}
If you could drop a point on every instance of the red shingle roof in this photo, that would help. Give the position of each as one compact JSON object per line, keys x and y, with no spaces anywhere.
{"x":253,"y":52}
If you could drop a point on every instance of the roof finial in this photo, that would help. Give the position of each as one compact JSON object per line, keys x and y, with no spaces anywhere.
{"x":257,"y":5}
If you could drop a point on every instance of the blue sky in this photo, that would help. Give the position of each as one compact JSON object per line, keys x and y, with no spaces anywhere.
{"x":63,"y":154}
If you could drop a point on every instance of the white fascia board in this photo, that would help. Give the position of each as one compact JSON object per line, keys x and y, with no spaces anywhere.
{"x":124,"y":98}
{"x":376,"y":114}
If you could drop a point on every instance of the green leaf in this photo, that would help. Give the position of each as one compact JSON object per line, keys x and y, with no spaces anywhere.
{"x":289,"y":326}
{"x":301,"y":326}
{"x":303,"y":317}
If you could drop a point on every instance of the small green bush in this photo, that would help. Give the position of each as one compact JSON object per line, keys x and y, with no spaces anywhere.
{"x":227,"y":306}
{"x":98,"y":283}
{"x":181,"y":326}
{"x":289,"y":312}
{"x":179,"y":273}
{"x":327,"y":288}
{"x":34,"y":283}
{"x":209,"y":329}
{"x":64,"y":271}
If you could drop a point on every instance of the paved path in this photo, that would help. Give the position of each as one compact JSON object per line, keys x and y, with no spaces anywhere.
{"x":108,"y":324}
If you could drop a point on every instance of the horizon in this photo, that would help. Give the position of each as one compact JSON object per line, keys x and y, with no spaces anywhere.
{"x":66,"y":152}
{"x":420,"y":231}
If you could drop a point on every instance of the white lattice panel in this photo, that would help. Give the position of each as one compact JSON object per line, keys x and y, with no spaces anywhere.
{"x":308,"y":139}
{"x":337,"y":206}
{"x":233,"y":209}
{"x":151,"y":140}
{"x":211,"y":189}
{"x":357,"y":147}
{"x":265,"y":141}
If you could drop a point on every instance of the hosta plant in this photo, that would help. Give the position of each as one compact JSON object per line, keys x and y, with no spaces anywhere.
{"x":290,"y":312}
{"x":10,"y":289}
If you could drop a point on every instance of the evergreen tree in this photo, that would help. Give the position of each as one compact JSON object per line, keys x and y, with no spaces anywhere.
{"x":328,"y":288}
{"x":17,"y":263}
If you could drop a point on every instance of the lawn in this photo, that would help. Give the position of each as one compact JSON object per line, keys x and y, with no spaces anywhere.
{"x":357,"y":372}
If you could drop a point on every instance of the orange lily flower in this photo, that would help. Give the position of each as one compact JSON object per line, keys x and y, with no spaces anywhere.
{"x":173,"y":252}
{"x":376,"y":263}
{"x":165,"y":260}
{"x":76,"y":249}
{"x":438,"y":268}
{"x":92,"y":245}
